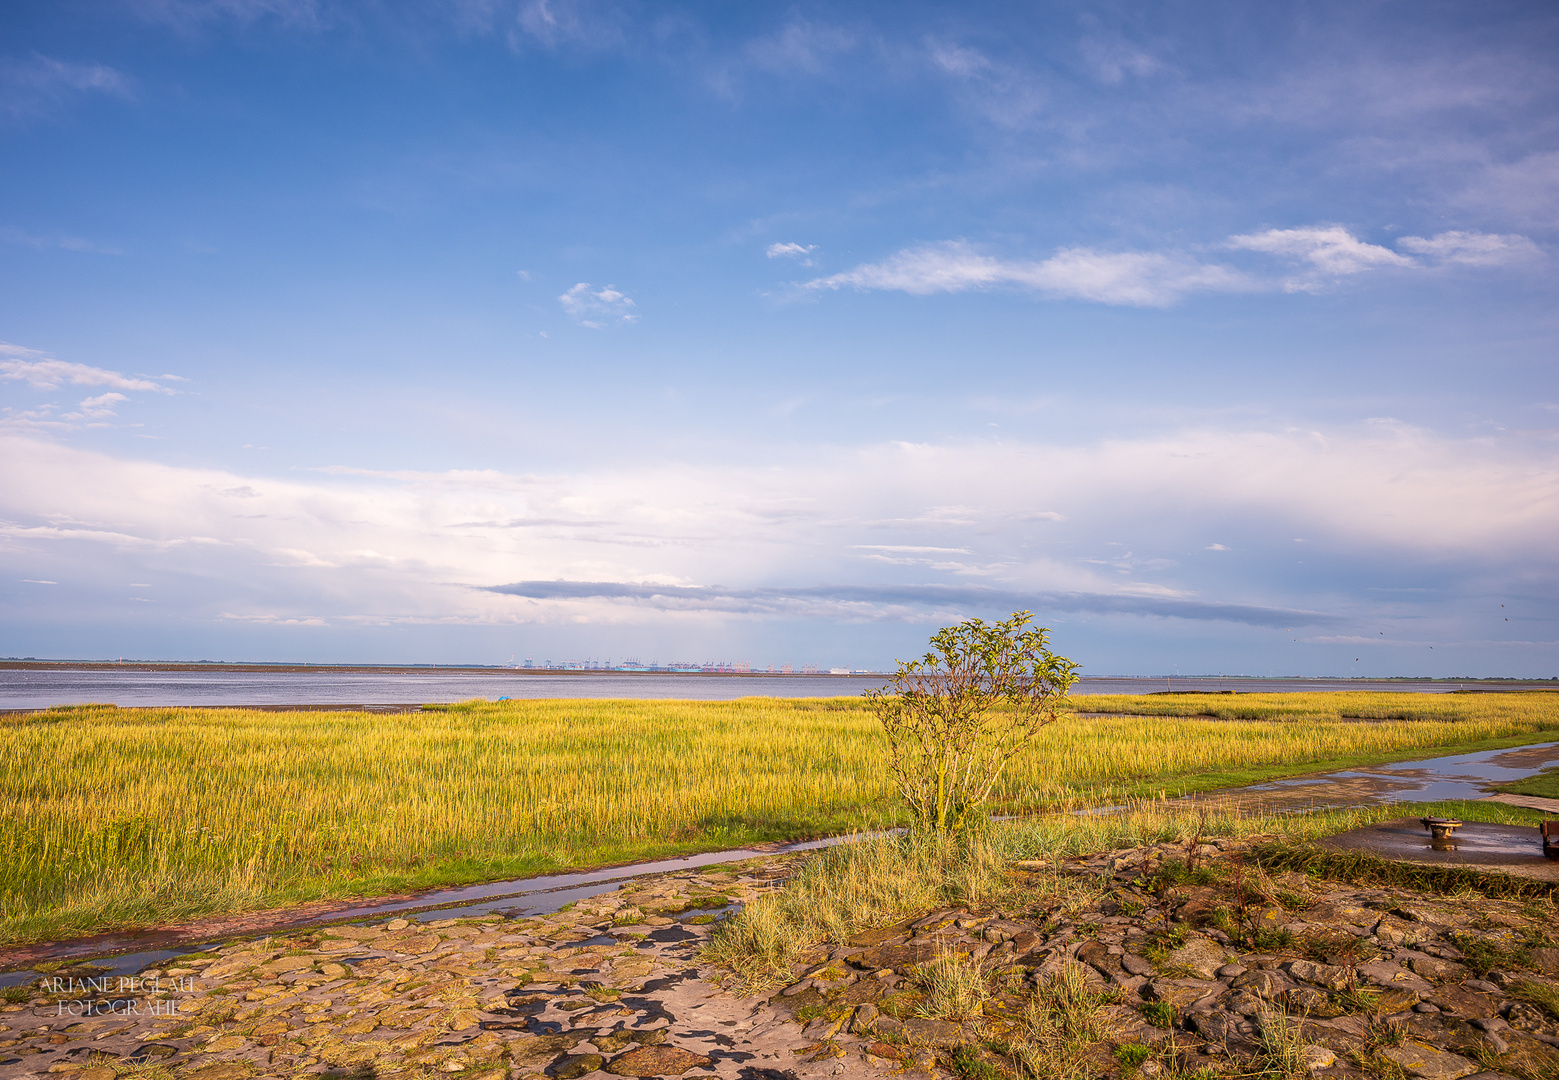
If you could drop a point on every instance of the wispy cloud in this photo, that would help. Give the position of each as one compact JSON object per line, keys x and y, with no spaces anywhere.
{"x":190,"y":15}
{"x":790,"y":251}
{"x":1161,"y":278}
{"x":597,"y":309}
{"x":60,"y":242}
{"x":1112,"y":61}
{"x":1473,"y":249}
{"x":1005,"y":95}
{"x":588,"y":24}
{"x":1143,"y":279}
{"x":39,"y":84}
{"x":100,"y":407}
{"x":801,"y":47}
{"x":1330,"y":250}
{"x":50,"y":374}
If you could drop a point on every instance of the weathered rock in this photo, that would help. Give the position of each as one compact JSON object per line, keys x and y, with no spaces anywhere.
{"x":1201,"y":956}
{"x":1389,"y":973}
{"x":1315,"y":1058}
{"x":1467,"y":1004}
{"x":1226,"y":1029}
{"x":902,"y":958}
{"x":1395,"y":932}
{"x":1392,"y":999}
{"x":221,"y":1070}
{"x":933,"y":1032}
{"x":573,"y":1066}
{"x":534,"y":1051}
{"x":862,"y":991}
{"x":1182,"y":994}
{"x":863,"y":1018}
{"x":1528,"y":1055}
{"x":287,"y":963}
{"x":355,"y":933}
{"x":1324,"y":975}
{"x":1425,"y":913}
{"x":1263,"y":984}
{"x":1308,"y":1001}
{"x":1341,"y":1033}
{"x":1138,"y":965}
{"x":1199,"y":905}
{"x":1430,"y":967}
{"x":1525,"y":1017}
{"x":1545,"y":960}
{"x":1417,"y":1059}
{"x":1242,"y":1002}
{"x":657,"y":1061}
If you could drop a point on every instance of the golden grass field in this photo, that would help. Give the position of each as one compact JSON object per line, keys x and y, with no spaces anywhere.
{"x":123,"y":817}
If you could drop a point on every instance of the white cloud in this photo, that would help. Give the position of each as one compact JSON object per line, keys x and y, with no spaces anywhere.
{"x":597,"y":309}
{"x":825,"y":523}
{"x":1472,"y":248}
{"x":49,"y":374}
{"x":1151,"y":279}
{"x":38,"y":84}
{"x":97,"y":408}
{"x":1160,"y":278}
{"x":1330,"y":249}
{"x":789,"y":251}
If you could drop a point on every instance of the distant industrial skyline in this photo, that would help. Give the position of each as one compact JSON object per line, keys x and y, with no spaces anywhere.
{"x":1221,"y":337}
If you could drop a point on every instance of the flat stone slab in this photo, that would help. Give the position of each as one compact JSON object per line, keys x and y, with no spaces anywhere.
{"x":1504,"y":849}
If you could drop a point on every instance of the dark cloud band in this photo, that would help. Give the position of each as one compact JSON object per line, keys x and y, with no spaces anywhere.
{"x":795,"y":599}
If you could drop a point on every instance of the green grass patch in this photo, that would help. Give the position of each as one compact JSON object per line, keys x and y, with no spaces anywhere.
{"x":126,"y":818}
{"x":1545,"y":785}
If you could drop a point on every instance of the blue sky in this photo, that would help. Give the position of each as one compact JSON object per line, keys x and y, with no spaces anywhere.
{"x":1222,"y":336}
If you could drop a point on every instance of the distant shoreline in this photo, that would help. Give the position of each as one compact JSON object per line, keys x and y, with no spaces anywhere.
{"x":1502,"y":682}
{"x":395,"y":669}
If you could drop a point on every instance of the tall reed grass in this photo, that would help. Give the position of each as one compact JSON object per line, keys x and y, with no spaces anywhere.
{"x":123,"y":817}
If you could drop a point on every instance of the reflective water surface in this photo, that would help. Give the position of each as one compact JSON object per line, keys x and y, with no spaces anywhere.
{"x":39,"y":687}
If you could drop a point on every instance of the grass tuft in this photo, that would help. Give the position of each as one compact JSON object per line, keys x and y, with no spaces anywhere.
{"x":954,"y":988}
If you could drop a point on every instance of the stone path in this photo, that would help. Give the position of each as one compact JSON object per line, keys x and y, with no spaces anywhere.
{"x":1179,"y":968}
{"x":611,"y":986}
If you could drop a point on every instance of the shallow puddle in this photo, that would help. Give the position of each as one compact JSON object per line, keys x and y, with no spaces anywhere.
{"x":1441,"y":779}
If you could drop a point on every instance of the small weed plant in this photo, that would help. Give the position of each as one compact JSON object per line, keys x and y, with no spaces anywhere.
{"x":1282,"y":1046}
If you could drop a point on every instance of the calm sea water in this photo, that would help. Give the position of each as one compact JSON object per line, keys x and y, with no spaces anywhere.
{"x":33,"y":688}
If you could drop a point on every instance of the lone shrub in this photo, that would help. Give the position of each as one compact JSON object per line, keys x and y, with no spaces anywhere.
{"x":956,"y":716}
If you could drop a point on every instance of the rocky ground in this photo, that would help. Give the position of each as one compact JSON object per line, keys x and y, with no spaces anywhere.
{"x":1126,"y":964}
